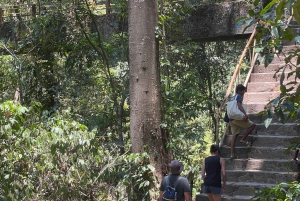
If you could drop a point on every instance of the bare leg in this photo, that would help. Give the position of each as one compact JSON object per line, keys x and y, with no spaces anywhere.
{"x":233,"y":139}
{"x":217,"y":197}
{"x":249,"y":130}
{"x":210,"y":197}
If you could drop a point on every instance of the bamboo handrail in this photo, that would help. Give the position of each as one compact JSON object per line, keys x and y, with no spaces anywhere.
{"x":237,"y":68}
{"x":235,"y":73}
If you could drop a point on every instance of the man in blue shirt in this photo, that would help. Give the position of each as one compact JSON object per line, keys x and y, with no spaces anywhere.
{"x":236,"y":125}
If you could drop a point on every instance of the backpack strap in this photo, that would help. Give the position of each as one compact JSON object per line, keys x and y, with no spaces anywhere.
{"x":176,"y":182}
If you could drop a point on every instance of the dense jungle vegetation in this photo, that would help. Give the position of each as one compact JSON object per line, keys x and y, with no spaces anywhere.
{"x":64,"y":103}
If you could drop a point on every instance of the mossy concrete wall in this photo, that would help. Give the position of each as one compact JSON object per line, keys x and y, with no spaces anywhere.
{"x":207,"y":22}
{"x":217,"y":21}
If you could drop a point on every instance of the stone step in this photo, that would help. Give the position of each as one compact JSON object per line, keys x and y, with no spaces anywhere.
{"x":280,"y":59}
{"x":262,"y":140}
{"x":245,"y":188}
{"x":275,"y":129}
{"x":260,"y":119}
{"x":269,"y":140}
{"x":260,"y":97}
{"x":256,"y":107}
{"x":289,"y":48}
{"x":203,"y":197}
{"x":262,"y":164}
{"x":279,"y":129}
{"x":243,"y":152}
{"x":267,"y":86}
{"x":271,"y":68}
{"x":275,"y":152}
{"x":269,"y":77}
{"x":260,"y":176}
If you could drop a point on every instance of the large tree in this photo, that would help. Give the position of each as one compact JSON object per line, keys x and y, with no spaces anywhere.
{"x":145,"y":90}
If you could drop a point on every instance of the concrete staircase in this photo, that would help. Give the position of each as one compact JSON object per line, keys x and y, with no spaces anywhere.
{"x":265,"y":164}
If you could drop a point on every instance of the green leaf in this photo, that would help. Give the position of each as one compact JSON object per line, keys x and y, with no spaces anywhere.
{"x":296,"y":9}
{"x":280,"y":114}
{"x":266,"y":9}
{"x":268,"y":122}
{"x":257,"y":50}
{"x":242,"y":19}
{"x":151,"y":167}
{"x":255,"y":3}
{"x":282,"y":77}
{"x":283,"y":89}
{"x":279,"y":10}
{"x":288,"y":34}
{"x":274,"y":32}
{"x":297,"y":39}
{"x":251,"y":13}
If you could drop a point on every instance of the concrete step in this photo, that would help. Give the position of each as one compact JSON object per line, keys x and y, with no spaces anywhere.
{"x":256,"y":107}
{"x":260,"y":176}
{"x":224,"y":197}
{"x":243,"y":152}
{"x":275,"y":129}
{"x":262,"y":140}
{"x":245,"y":188}
{"x":266,"y":86}
{"x":269,"y":77}
{"x":262,"y":164}
{"x":271,"y":68}
{"x":260,"y":119}
{"x":260,"y":97}
{"x":280,"y":59}
{"x":269,"y":140}
{"x":275,"y":152}
{"x":279,"y":129}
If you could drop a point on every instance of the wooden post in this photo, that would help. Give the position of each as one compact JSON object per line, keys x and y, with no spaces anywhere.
{"x":1,"y":15}
{"x":33,"y":10}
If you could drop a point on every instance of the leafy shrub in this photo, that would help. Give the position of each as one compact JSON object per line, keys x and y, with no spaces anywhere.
{"x":50,"y":158}
{"x":281,"y":192}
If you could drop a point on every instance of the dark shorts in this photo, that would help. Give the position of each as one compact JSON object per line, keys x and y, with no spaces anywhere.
{"x":212,"y":190}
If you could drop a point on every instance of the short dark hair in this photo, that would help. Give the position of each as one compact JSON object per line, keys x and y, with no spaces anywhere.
{"x":214,"y":148}
{"x":239,"y":87}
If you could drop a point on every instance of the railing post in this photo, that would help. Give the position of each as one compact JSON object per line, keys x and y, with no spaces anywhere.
{"x":33,"y":10}
{"x":1,"y":15}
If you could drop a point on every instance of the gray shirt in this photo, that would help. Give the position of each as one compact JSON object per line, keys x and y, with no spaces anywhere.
{"x":182,"y":186}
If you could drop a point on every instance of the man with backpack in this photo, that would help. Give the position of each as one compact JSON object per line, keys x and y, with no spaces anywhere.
{"x":174,"y":187}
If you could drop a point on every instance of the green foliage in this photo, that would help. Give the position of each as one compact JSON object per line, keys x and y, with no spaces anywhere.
{"x":59,"y":159}
{"x":281,"y":192}
{"x":272,"y":31}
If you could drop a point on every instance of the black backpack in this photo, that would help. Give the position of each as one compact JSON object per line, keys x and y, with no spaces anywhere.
{"x":170,"y":193}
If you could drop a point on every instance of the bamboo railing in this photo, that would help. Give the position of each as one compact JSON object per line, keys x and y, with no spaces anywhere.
{"x":233,"y":78}
{"x":253,"y":60}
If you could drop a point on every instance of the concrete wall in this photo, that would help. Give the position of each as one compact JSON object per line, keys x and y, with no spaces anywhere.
{"x":209,"y":22}
{"x":217,"y":21}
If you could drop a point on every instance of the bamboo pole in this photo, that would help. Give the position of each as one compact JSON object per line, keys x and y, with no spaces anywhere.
{"x":237,"y":68}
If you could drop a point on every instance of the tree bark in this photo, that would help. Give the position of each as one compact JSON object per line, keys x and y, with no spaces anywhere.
{"x":145,"y":89}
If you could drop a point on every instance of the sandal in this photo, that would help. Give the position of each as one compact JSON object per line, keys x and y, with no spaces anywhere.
{"x":248,"y":144}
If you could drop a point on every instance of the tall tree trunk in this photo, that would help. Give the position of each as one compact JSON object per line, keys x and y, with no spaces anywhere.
{"x":145,"y":90}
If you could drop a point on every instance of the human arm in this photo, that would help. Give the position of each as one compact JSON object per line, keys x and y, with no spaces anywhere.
{"x":160,"y":195}
{"x":239,"y":100}
{"x":223,"y":171}
{"x":187,"y":196}
{"x":203,"y":170}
